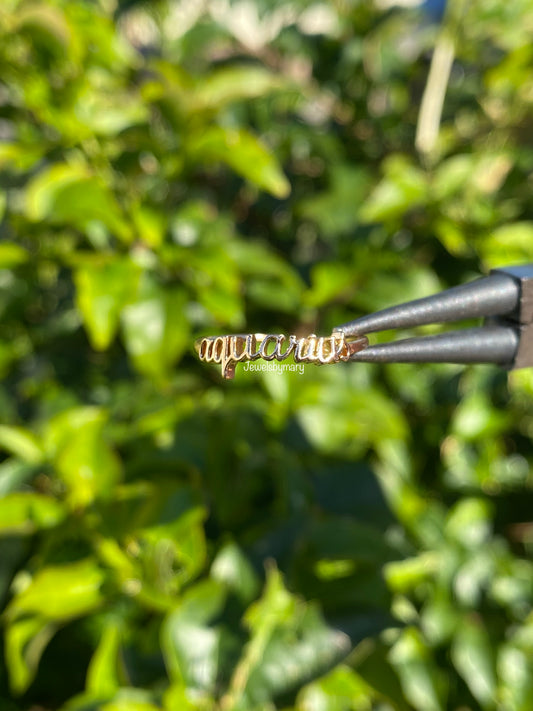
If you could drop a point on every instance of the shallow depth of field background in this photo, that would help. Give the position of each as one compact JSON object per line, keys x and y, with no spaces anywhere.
{"x":356,"y":538}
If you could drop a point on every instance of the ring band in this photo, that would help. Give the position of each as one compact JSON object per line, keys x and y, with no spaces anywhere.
{"x":233,"y":349}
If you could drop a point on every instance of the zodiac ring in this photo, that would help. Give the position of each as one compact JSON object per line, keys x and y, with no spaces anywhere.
{"x":233,"y":349}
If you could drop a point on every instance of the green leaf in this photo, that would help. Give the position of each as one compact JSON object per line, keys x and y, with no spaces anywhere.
{"x":127,"y":702}
{"x":46,"y":26}
{"x":103,"y":289}
{"x":386,"y":287}
{"x":21,"y":443}
{"x":25,"y":512}
{"x":191,"y":652}
{"x":149,"y":225}
{"x":330,"y":280}
{"x":406,"y":575}
{"x":102,"y":674}
{"x":515,"y":670}
{"x":294,"y":653}
{"x":55,"y":595}
{"x":403,"y":188}
{"x":13,"y":474}
{"x":126,"y":699}
{"x":473,"y":656}
{"x":349,"y":419}
{"x":155,"y":328}
{"x":233,"y":569}
{"x":191,"y":645}
{"x":60,"y":593}
{"x":71,"y":195}
{"x":178,"y":697}
{"x":203,"y":602}
{"x":340,"y":690}
{"x":86,"y":701}
{"x":369,"y":660}
{"x":275,"y":607}
{"x":440,"y":617}
{"x":84,"y":461}
{"x":11,"y":254}
{"x":289,"y":643}
{"x":337,"y":210}
{"x":421,"y":682}
{"x":452,"y":175}
{"x":25,"y":642}
{"x":229,"y":84}
{"x":269,"y":280}
{"x":509,"y":244}
{"x":180,"y":541}
{"x":475,"y":418}
{"x":469,"y":523}
{"x":242,"y":152}
{"x":109,"y":112}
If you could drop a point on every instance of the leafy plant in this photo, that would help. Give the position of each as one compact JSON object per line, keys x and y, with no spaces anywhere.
{"x":351,"y":538}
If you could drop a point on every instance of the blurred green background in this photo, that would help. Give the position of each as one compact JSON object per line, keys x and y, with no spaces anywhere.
{"x":354,"y":538}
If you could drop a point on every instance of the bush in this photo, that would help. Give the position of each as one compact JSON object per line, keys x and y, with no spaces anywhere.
{"x":354,"y":537}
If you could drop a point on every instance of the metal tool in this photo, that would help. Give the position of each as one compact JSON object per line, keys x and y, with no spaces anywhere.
{"x":504,"y":299}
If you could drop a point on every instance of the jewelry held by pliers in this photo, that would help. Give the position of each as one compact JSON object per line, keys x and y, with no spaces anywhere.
{"x":232,"y":349}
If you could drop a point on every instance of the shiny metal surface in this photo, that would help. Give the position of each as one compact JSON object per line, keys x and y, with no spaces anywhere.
{"x":491,"y":344}
{"x":504,"y":299}
{"x":496,"y":294}
{"x":319,"y":350}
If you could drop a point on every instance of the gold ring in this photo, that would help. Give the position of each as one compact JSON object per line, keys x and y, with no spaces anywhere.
{"x":232,"y":349}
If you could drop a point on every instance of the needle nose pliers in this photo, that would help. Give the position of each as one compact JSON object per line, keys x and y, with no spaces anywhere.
{"x":504,"y":299}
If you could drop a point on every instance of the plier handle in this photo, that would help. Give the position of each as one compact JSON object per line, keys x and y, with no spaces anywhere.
{"x":504,"y":299}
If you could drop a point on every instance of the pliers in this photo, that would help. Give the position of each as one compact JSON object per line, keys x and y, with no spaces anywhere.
{"x":504,"y":299}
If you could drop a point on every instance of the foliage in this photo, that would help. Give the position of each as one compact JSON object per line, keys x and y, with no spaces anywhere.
{"x":355,"y":537}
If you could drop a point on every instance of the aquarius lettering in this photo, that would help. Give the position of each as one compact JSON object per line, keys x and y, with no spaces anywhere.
{"x":233,"y":349}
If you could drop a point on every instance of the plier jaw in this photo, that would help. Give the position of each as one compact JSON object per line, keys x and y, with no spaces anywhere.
{"x":523,"y":316}
{"x":504,"y":299}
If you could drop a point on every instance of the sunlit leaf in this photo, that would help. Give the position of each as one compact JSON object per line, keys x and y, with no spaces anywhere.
{"x":340,"y":690}
{"x":469,"y":523}
{"x":289,"y":643}
{"x":515,"y":670}
{"x":405,"y":575}
{"x":155,"y":328}
{"x":419,"y":675}
{"x":231,"y":568}
{"x":13,"y":474}
{"x":21,"y":443}
{"x":231,"y":84}
{"x":371,"y":663}
{"x":192,"y":652}
{"x":102,"y":674}
{"x":103,"y":290}
{"x":330,"y":280}
{"x":107,"y":113}
{"x":337,"y":210}
{"x":25,"y":641}
{"x":178,"y":697}
{"x":508,"y":244}
{"x":473,"y":656}
{"x":72,"y":195}
{"x":46,"y":25}
{"x":11,"y":254}
{"x":84,"y":460}
{"x":60,"y":593}
{"x":27,"y":512}
{"x":403,"y":188}
{"x":242,"y":152}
